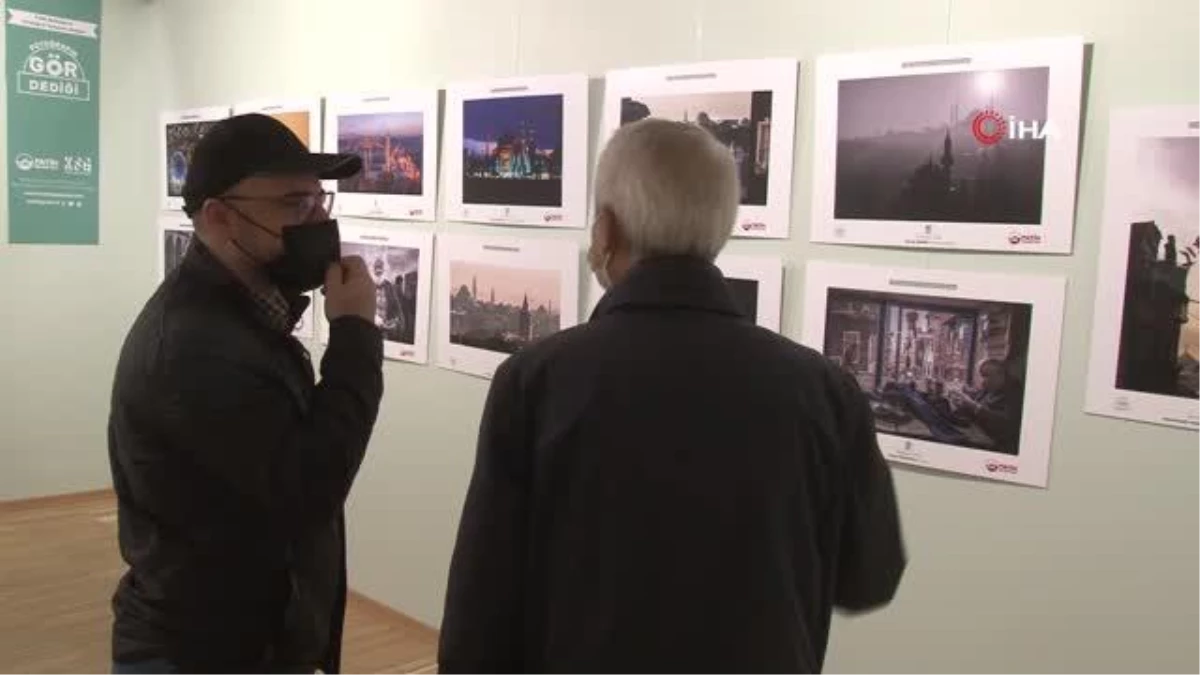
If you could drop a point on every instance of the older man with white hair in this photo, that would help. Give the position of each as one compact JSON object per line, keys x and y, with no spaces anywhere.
{"x":667,"y":487}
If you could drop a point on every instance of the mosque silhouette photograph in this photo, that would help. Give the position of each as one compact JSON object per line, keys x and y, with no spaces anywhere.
{"x":392,"y":147}
{"x":948,"y":370}
{"x":512,"y":151}
{"x":181,"y":141}
{"x":740,"y":120}
{"x":965,"y":147}
{"x":502,"y":309}
{"x":1159,"y":325}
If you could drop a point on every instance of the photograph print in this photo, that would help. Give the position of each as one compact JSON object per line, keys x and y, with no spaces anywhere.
{"x":181,"y":131}
{"x":302,"y":117}
{"x":399,"y":264}
{"x":395,"y":134}
{"x":516,"y":151}
{"x":1146,"y":334}
{"x":952,"y":364}
{"x":175,"y":236}
{"x":971,"y":147}
{"x":500,"y":295}
{"x":748,"y":106}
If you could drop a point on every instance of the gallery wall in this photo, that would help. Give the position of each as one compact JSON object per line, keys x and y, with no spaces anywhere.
{"x":67,"y":308}
{"x":1096,"y":572}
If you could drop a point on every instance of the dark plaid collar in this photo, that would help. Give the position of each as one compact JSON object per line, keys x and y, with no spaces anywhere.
{"x":269,"y":306}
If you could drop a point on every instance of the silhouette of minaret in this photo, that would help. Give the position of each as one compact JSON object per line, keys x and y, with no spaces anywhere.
{"x":947,"y":154}
{"x":474,"y":295}
{"x":525,"y":326}
{"x":493,"y":295}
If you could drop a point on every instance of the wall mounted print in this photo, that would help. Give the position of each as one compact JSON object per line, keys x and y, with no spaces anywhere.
{"x":755,"y":281}
{"x":302,"y":116}
{"x":401,"y":263}
{"x":174,"y":238}
{"x":749,"y":106}
{"x":499,"y":295}
{"x":181,"y":130}
{"x":1146,"y":331}
{"x":971,"y":147}
{"x":961,"y":369}
{"x":396,"y":136}
{"x":516,"y":151}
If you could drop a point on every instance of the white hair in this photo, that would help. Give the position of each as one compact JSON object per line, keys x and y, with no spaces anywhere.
{"x":672,"y":187}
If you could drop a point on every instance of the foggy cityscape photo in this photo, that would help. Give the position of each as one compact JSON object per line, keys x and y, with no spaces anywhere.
{"x":925,"y":362}
{"x":908,"y":149}
{"x":502,"y":309}
{"x":1160,"y":331}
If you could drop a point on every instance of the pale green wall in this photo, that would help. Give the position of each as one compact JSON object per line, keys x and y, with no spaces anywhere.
{"x":65,"y":309}
{"x":1097,"y":573}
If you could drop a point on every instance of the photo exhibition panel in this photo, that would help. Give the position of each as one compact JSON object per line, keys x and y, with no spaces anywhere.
{"x":515,"y":151}
{"x":960,"y":368}
{"x":496,"y":295}
{"x":401,"y":265}
{"x":971,"y":147}
{"x":755,"y":284}
{"x":1145,"y":333}
{"x":749,"y":106}
{"x":396,"y":136}
{"x":181,"y":130}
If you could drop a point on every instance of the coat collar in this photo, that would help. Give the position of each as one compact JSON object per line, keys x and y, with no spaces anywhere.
{"x":664,"y":282}
{"x":201,"y":265}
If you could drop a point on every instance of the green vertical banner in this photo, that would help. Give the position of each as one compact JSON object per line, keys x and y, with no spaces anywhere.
{"x":53,"y":65}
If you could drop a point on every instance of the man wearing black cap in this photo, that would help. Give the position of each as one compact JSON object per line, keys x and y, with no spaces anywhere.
{"x":230,"y":463}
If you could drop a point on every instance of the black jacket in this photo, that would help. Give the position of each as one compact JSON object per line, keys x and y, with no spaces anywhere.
{"x":668,"y":487}
{"x":231,"y":467}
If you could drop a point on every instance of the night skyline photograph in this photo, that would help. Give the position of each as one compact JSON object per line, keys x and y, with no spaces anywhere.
{"x":512,"y":150}
{"x":392,"y":147}
{"x":925,"y":148}
{"x":181,"y":141}
{"x":739,"y":120}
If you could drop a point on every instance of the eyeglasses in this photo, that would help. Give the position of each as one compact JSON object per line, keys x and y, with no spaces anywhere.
{"x":301,"y":205}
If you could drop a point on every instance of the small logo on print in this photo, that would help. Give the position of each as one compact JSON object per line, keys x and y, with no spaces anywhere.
{"x":989,"y":127}
{"x":1121,"y":403}
{"x":1018,"y":238}
{"x":1000,"y":467}
{"x":413,"y":213}
{"x":754,"y":227}
{"x":928,"y":230}
{"x":553,"y":217}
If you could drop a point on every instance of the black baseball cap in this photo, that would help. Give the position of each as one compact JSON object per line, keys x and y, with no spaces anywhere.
{"x":254,"y":144}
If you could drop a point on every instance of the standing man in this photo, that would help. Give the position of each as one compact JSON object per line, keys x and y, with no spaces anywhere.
{"x":668,"y":487}
{"x":230,"y":463}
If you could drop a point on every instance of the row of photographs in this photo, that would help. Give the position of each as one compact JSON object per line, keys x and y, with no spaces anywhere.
{"x":968,"y":147}
{"x":960,"y":368}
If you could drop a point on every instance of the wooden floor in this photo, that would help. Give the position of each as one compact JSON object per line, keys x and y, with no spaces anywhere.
{"x":59,"y":565}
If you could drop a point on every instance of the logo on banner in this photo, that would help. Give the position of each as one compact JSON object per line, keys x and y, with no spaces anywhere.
{"x":52,"y":69}
{"x":27,"y":162}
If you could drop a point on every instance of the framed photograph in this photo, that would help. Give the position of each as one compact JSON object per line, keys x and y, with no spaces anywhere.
{"x":749,"y":106}
{"x":396,"y":136}
{"x":498,"y":295}
{"x":516,"y":151}
{"x":401,"y":264}
{"x":181,"y":130}
{"x":755,"y":281}
{"x":961,"y":369}
{"x":1145,"y":332}
{"x":174,"y":237}
{"x":968,"y":147}
{"x":302,"y":116}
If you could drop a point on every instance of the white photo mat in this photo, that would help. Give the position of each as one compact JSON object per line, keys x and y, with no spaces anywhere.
{"x":375,"y":244}
{"x":1050,"y":230}
{"x":286,"y":110}
{"x":504,"y":201}
{"x":545,"y":273}
{"x":422,"y":105}
{"x":765,"y":271}
{"x":174,"y":160}
{"x":1160,"y":194}
{"x":172,"y":240}
{"x":947,"y":292}
{"x":672,"y":85}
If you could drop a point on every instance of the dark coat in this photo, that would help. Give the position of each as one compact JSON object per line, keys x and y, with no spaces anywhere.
{"x":668,"y":488}
{"x":231,"y":467}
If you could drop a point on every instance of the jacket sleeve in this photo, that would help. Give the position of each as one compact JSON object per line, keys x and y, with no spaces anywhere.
{"x":240,"y":424}
{"x":483,"y":623}
{"x":871,"y":557}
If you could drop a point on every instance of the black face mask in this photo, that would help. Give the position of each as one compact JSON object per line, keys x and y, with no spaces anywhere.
{"x":308,"y":251}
